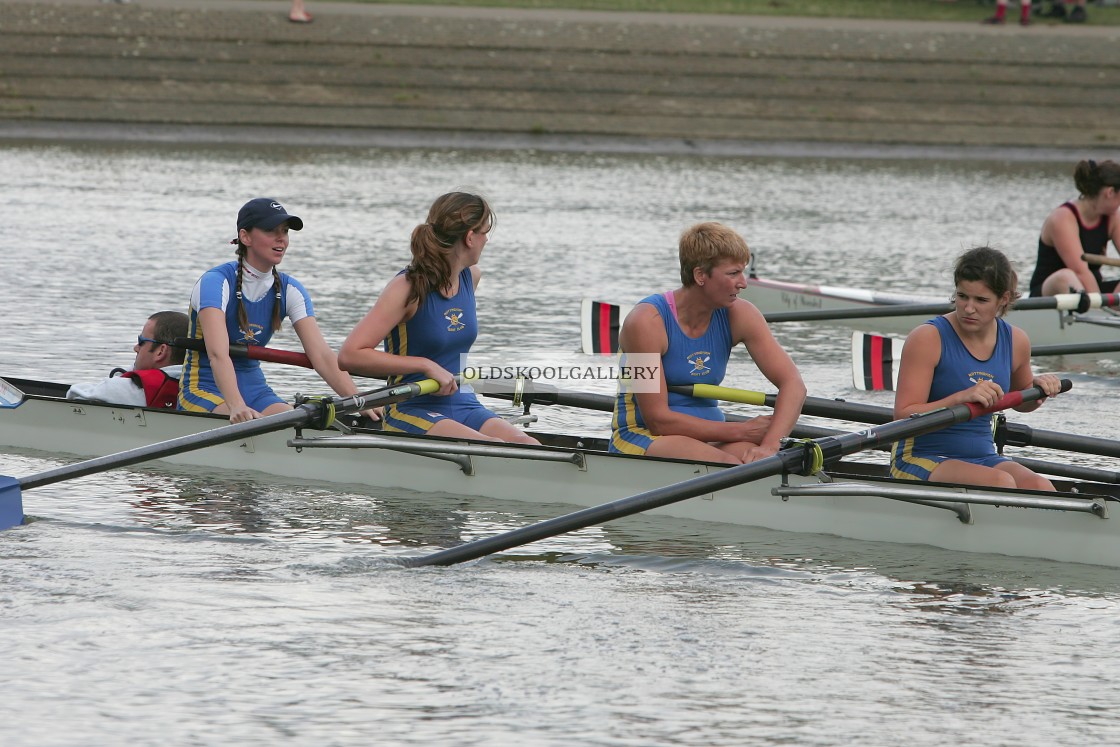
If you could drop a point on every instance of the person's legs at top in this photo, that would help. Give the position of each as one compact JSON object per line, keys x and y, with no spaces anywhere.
{"x":298,"y":14}
{"x":1001,"y":13}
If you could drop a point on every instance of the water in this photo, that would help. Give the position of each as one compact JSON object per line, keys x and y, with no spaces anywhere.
{"x":164,"y":605}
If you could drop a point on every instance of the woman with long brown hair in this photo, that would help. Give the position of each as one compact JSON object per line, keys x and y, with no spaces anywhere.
{"x":426,"y":319}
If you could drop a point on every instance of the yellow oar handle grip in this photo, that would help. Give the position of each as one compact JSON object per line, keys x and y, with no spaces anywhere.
{"x":431,"y":386}
{"x":727,"y":394}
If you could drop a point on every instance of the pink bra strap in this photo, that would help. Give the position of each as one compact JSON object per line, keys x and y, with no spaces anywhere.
{"x":672,"y":304}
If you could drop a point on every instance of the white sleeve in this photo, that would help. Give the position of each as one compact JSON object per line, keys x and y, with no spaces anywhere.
{"x":118,"y":390}
{"x":297,"y":302}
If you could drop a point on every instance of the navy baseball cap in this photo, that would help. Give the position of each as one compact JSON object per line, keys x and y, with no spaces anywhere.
{"x":265,"y":214}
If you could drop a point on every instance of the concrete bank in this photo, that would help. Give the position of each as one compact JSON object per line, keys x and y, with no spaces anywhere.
{"x":238,"y":70}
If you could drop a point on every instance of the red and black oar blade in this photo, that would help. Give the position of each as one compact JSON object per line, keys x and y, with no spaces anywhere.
{"x":599,"y":326}
{"x":875,"y":361}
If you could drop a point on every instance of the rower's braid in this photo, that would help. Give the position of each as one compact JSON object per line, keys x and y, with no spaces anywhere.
{"x":242,"y":316}
{"x":276,"y":286}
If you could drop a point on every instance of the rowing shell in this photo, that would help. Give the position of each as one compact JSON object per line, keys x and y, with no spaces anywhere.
{"x":848,"y":499}
{"x":1043,"y":326}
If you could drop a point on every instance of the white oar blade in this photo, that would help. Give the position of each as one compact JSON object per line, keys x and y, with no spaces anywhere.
{"x":875,"y":361}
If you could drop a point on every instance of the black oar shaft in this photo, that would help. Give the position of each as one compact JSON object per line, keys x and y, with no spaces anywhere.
{"x":870,"y":312}
{"x":1076,"y":348}
{"x":1070,"y":471}
{"x":831,"y":447}
{"x":836,"y":409}
{"x":1024,"y":435}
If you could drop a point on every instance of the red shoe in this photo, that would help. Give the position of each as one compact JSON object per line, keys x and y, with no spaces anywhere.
{"x":305,"y":18}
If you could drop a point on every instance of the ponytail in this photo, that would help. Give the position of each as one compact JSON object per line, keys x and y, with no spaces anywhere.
{"x":1090,"y":176}
{"x":450,"y":218}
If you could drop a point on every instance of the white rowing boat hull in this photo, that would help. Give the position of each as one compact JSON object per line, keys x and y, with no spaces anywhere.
{"x":1043,"y":326}
{"x":1079,"y":532}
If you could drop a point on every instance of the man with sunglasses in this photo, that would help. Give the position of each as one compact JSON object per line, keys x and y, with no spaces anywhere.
{"x":153,"y":380}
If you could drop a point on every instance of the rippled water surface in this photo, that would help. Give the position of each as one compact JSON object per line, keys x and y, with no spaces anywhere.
{"x":165,"y":605}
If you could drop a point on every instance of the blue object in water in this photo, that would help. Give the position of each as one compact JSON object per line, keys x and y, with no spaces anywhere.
{"x":11,"y":503}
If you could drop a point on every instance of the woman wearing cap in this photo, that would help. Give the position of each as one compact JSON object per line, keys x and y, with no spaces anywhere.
{"x":1081,"y":226}
{"x":244,"y":302}
{"x":426,"y":317}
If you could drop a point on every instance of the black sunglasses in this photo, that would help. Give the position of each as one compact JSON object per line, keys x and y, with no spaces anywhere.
{"x":140,"y":340}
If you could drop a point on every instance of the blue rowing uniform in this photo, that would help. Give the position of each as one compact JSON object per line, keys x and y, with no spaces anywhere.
{"x":198,"y":391}
{"x":442,"y":329}
{"x":971,"y":441}
{"x":687,"y":361}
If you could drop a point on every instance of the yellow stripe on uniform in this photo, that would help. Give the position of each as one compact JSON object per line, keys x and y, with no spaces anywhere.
{"x":395,"y":413}
{"x":908,"y":459}
{"x":192,"y":389}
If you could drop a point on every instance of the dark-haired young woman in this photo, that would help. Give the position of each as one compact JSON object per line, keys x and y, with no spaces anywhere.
{"x":244,"y":302}
{"x":426,"y":318}
{"x":968,"y":355}
{"x":1081,"y":226}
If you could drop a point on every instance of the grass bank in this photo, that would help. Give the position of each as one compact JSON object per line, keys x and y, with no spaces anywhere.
{"x":910,"y":10}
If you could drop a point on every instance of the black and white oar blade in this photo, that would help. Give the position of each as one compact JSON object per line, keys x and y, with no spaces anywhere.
{"x":599,"y":325}
{"x":875,"y":361}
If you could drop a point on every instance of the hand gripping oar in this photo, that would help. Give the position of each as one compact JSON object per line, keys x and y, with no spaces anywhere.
{"x":816,"y":406}
{"x":806,"y":459}
{"x":256,"y":352}
{"x":837,"y":409}
{"x":316,"y":413}
{"x":1007,"y":434}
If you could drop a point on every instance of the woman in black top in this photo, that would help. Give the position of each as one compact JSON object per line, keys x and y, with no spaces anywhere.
{"x":1081,"y":226}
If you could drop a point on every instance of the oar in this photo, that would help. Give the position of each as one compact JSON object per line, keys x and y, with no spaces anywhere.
{"x":1009,"y":434}
{"x":875,"y":358}
{"x":256,"y":352}
{"x":600,"y":321}
{"x":318,"y":414}
{"x":807,"y":459}
{"x":816,"y":406}
{"x":1100,"y":259}
{"x":1079,"y":302}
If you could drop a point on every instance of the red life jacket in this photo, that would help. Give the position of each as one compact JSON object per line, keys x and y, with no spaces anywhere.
{"x":160,"y":389}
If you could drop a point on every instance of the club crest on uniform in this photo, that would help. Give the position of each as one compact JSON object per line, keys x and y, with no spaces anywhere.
{"x":699,"y":361}
{"x":455,"y":319}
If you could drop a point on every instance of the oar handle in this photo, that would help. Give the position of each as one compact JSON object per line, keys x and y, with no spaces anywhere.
{"x":254,"y":352}
{"x":1014,"y":399}
{"x":1100,"y":259}
{"x":725,"y":394}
